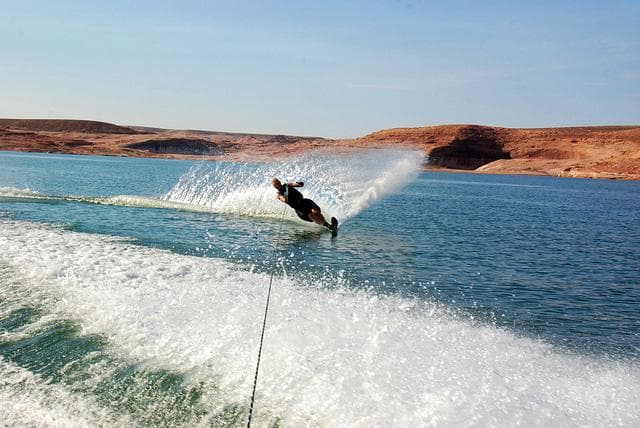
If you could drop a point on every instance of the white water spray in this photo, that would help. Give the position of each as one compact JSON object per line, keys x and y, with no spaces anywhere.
{"x":342,"y":184}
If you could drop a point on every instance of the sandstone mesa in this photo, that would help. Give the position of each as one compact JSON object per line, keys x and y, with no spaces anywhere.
{"x":586,"y":152}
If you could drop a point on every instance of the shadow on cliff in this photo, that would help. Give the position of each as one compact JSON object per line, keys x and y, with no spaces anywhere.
{"x":472,"y":147}
{"x":185,"y":146}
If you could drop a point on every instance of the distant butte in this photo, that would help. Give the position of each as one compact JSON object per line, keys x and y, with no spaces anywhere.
{"x":588,"y":152}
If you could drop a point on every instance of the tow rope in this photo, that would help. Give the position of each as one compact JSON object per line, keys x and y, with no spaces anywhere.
{"x":264,"y":322}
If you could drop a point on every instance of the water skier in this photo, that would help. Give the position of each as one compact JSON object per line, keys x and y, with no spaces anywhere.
{"x":305,"y":208}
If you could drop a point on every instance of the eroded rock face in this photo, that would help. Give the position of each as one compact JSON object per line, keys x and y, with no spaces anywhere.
{"x":472,"y":147}
{"x":184,"y":146}
{"x":591,"y":151}
{"x":596,"y":151}
{"x":449,"y":146}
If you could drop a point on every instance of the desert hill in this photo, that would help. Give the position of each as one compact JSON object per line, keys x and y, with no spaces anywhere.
{"x":596,"y":152}
{"x":101,"y":138}
{"x":64,"y":125}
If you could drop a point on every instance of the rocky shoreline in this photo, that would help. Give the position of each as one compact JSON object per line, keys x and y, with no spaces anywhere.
{"x":588,"y":152}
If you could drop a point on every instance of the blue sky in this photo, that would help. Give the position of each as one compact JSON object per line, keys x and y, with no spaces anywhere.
{"x":330,"y":68}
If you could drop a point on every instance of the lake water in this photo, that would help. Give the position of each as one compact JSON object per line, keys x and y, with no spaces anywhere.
{"x":132,"y":292}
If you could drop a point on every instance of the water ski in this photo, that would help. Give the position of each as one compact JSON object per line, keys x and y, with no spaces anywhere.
{"x":334,"y":225}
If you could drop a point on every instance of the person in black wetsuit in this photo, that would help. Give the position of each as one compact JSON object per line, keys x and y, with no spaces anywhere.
{"x":306,"y":209}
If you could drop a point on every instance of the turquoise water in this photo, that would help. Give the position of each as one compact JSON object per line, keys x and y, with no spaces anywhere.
{"x":133,"y":291}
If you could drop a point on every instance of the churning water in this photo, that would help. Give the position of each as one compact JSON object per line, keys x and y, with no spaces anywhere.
{"x":132,"y":293}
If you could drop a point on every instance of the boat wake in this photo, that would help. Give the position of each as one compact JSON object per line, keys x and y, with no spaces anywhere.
{"x":333,"y":356}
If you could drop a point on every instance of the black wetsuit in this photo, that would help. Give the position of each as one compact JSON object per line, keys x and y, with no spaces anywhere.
{"x":299,"y":203}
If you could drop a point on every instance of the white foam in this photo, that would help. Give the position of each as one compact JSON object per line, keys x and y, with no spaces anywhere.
{"x":14,"y":192}
{"x":145,"y":202}
{"x":341,"y":184}
{"x":28,"y":401}
{"x":117,"y":200}
{"x":332,"y":357}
